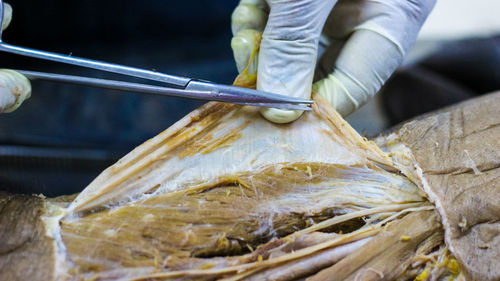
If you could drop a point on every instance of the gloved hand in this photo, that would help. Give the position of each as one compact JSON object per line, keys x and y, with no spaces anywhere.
{"x":365,"y":41}
{"x":14,"y":87}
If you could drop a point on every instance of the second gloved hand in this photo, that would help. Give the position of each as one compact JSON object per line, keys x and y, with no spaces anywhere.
{"x":14,"y":87}
{"x":365,"y":41}
{"x":7,"y":16}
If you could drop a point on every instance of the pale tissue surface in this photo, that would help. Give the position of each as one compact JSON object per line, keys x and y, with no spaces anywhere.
{"x":255,"y":143}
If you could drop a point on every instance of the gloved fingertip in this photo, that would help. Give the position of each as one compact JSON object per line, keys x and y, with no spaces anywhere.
{"x":248,"y":16}
{"x":280,"y":116}
{"x":7,"y":15}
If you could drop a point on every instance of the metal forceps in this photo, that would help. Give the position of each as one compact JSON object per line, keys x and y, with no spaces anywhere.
{"x":177,"y":86}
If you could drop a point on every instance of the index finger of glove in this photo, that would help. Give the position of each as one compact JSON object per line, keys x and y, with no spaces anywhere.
{"x":288,"y":51}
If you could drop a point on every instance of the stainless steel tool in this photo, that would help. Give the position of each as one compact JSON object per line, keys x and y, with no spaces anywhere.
{"x":177,"y":86}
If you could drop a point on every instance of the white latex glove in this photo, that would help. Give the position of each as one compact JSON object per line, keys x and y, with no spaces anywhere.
{"x":7,"y":15}
{"x":14,"y":87}
{"x":365,"y":41}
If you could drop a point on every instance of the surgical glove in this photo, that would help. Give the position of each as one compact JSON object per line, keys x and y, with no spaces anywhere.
{"x":364,"y":42}
{"x":14,"y":87}
{"x":7,"y":15}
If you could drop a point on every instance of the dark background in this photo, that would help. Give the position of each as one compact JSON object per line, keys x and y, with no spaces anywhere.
{"x":188,"y":38}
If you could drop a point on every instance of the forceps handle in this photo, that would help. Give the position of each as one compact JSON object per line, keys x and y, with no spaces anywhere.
{"x":115,"y":85}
